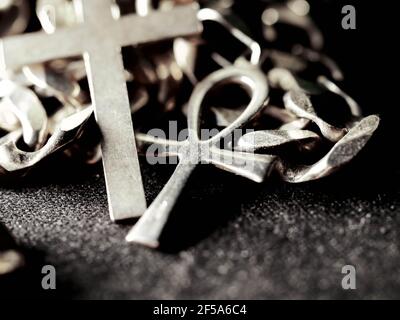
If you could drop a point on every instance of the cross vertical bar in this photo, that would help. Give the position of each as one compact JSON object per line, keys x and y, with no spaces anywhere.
{"x":94,"y":11}
{"x":125,"y":192}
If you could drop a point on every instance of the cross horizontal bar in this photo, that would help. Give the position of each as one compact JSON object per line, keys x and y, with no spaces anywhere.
{"x":38,"y":47}
{"x":159,"y":25}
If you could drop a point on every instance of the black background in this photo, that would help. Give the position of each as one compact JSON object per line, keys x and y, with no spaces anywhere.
{"x":229,"y":238}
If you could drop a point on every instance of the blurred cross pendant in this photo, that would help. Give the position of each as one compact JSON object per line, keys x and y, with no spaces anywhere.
{"x":99,"y":38}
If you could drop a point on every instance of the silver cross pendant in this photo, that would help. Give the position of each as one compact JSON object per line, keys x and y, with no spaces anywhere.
{"x":99,"y":38}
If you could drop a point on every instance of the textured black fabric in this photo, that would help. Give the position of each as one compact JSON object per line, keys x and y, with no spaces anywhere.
{"x":228,"y":238}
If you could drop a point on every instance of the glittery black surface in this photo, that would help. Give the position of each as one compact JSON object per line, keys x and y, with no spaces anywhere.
{"x":228,"y":238}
